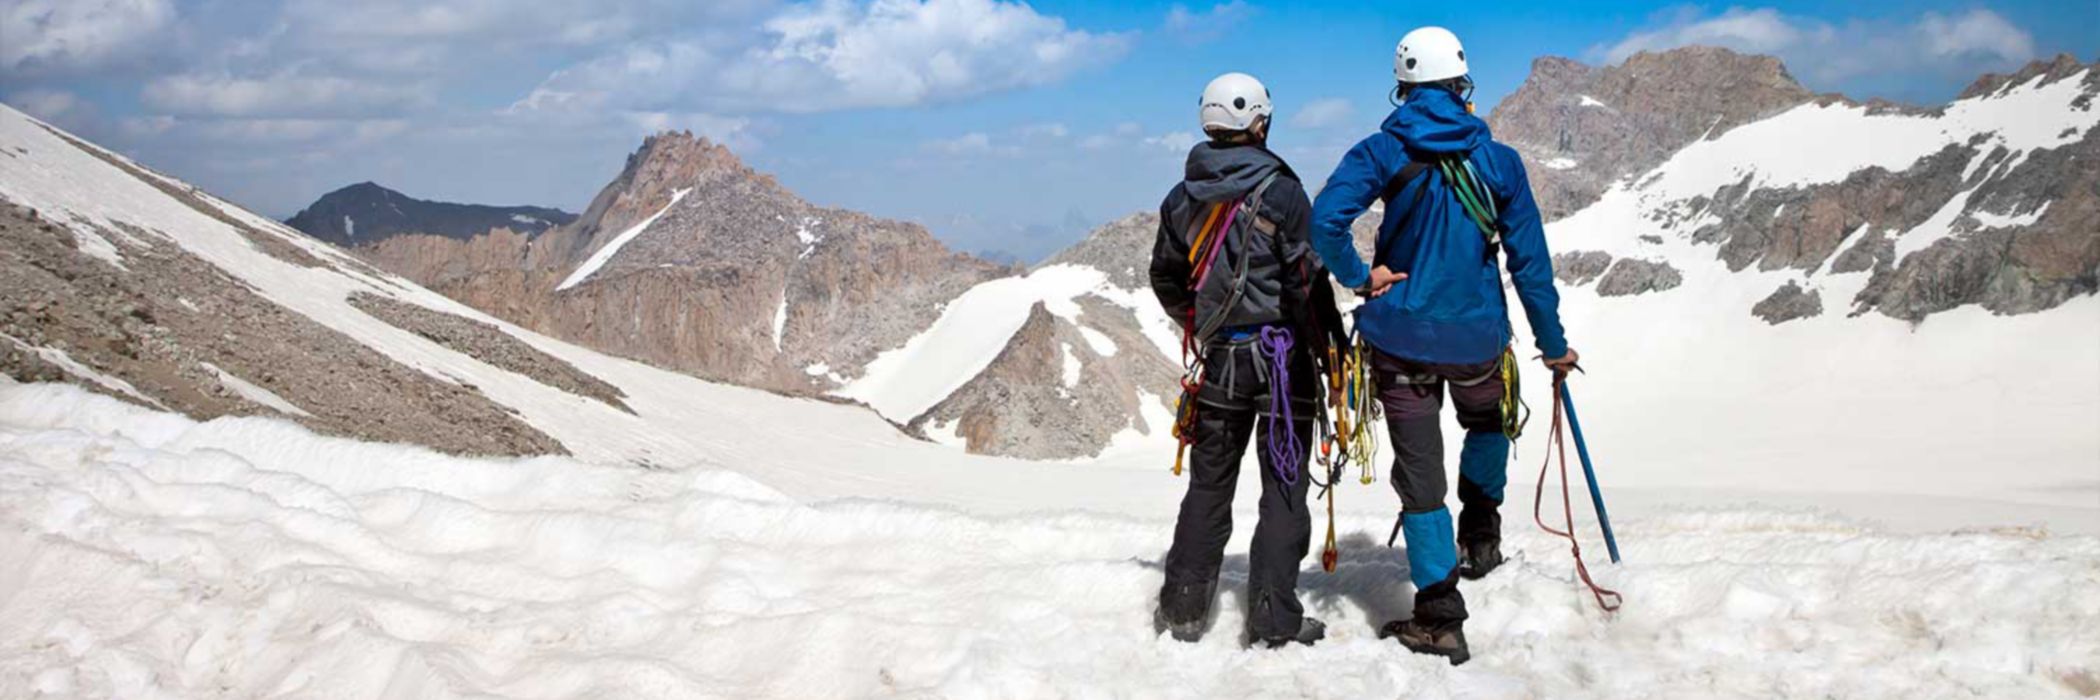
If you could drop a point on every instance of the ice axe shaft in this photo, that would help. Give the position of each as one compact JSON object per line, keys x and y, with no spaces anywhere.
{"x":1589,"y":473}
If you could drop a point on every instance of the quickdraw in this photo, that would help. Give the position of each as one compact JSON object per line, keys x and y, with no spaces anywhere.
{"x":1353,"y":436}
{"x":1515,"y":413}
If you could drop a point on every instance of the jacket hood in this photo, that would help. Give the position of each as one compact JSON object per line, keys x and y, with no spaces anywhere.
{"x":1218,"y":171}
{"x":1436,"y":121}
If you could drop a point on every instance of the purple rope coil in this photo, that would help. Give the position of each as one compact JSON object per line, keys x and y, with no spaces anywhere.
{"x":1284,"y":446}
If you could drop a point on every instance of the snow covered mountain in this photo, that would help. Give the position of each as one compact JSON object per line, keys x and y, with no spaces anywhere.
{"x":243,"y":470}
{"x":366,"y":213}
{"x":1700,"y":174}
{"x":1989,"y":201}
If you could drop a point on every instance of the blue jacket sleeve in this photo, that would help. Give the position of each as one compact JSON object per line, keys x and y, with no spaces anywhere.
{"x":1529,"y":262}
{"x":1356,"y":182}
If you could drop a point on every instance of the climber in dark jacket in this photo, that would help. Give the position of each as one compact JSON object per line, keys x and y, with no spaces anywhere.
{"x":1251,"y":320}
{"x":1437,"y":315}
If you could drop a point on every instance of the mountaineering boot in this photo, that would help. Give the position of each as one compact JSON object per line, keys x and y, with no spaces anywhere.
{"x":1309,"y":631}
{"x":1184,"y":610}
{"x":1479,"y":558}
{"x":1448,"y":641}
{"x":1438,"y":627}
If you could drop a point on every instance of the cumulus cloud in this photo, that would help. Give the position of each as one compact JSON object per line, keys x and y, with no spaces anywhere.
{"x":838,"y":54}
{"x":1976,"y":33}
{"x":1761,"y":30}
{"x":1324,"y":113}
{"x":55,"y":37}
{"x":738,"y":133}
{"x":1194,"y":27}
{"x":1825,"y":53}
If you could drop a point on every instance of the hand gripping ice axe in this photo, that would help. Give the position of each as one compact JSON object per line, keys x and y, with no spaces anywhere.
{"x":1564,"y":405}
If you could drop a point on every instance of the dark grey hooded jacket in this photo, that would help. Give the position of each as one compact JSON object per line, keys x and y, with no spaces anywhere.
{"x":1284,"y":282}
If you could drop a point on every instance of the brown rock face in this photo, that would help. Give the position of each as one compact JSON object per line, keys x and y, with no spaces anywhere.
{"x":171,"y":324}
{"x":1581,"y":128}
{"x":703,"y":288}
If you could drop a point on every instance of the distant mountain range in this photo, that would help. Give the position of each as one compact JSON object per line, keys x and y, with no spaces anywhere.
{"x":1698,"y":187}
{"x":366,"y":213}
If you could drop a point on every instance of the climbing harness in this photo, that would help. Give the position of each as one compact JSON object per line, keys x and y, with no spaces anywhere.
{"x":1556,"y":444}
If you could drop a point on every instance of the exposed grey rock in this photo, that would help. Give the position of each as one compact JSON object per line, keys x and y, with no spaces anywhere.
{"x":1788,"y":303}
{"x":2014,"y":270}
{"x":1580,"y":267}
{"x":1874,"y":251}
{"x":1121,"y":248}
{"x":1629,"y":276}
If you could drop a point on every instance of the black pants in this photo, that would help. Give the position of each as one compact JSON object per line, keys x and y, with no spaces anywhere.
{"x":1233,"y":407}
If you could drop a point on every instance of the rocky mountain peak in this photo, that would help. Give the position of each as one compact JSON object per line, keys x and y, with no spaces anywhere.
{"x":2058,"y":68}
{"x":665,"y":163}
{"x":1584,"y":127}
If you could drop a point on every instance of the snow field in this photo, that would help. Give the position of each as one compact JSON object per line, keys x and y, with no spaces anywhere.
{"x":155,"y":556}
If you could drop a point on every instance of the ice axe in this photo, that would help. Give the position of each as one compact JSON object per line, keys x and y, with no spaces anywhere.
{"x":1589,"y":473}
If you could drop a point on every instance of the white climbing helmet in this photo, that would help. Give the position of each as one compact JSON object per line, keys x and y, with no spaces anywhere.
{"x":1428,"y":55}
{"x":1234,"y":102}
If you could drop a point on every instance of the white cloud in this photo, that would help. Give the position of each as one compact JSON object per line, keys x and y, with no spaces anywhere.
{"x":43,"y":37}
{"x":1176,"y":141}
{"x":1979,"y":32}
{"x":1761,"y":30}
{"x":1050,"y":131}
{"x":1823,"y":53}
{"x":837,"y":54}
{"x":736,"y":133}
{"x":1324,"y":113}
{"x":49,"y":105}
{"x":1194,"y":27}
{"x":251,"y":133}
{"x":285,"y":93}
{"x":976,"y":143}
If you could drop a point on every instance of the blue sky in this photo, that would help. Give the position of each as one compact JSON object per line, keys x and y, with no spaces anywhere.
{"x":1000,"y":125}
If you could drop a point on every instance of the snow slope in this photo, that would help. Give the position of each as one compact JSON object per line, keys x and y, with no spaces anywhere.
{"x":158,"y":557}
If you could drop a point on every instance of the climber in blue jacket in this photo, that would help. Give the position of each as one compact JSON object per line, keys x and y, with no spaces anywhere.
{"x":1437,"y":313}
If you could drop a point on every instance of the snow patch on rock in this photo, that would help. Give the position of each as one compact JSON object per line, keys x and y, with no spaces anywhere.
{"x":252,"y":392}
{"x":606,"y":253}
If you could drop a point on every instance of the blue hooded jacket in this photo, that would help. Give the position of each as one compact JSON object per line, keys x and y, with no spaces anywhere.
{"x":1450,"y":309}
